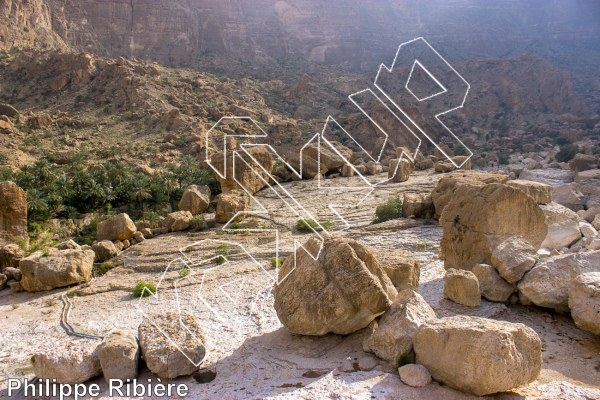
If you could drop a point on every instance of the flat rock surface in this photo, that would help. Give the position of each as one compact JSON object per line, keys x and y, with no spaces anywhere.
{"x":254,"y":356}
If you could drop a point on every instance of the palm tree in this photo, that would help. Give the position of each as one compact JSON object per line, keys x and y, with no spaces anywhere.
{"x":140,"y":190}
{"x":35,"y":202}
{"x":78,"y":162}
{"x":93,"y":191}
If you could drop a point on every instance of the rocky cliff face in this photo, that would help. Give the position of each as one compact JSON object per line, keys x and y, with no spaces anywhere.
{"x":356,"y":32}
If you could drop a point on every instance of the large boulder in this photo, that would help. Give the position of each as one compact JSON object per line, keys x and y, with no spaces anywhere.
{"x":478,"y":355}
{"x":392,"y":339}
{"x":247,"y":172}
{"x":401,"y":266}
{"x":513,"y":258}
{"x":491,"y":285}
{"x":308,"y":167}
{"x":13,"y":212}
{"x":119,"y":227}
{"x":341,"y":291}
{"x":195,"y":199}
{"x":589,"y":185}
{"x":569,"y":196}
{"x":172,"y":344}
{"x":539,"y":192}
{"x":330,"y":158}
{"x":417,"y":205}
{"x":8,"y":110}
{"x":479,"y":218}
{"x":10,"y":256}
{"x":232,"y":206}
{"x":563,"y":226}
{"x":74,"y":362}
{"x":584,"y":301}
{"x":548,"y":283}
{"x":105,"y":250}
{"x":583,"y":162}
{"x":178,"y":221}
{"x":551,"y":176}
{"x":58,"y":269}
{"x":446,"y":186}
{"x":119,"y":354}
{"x":400,"y":169}
{"x":462,"y":287}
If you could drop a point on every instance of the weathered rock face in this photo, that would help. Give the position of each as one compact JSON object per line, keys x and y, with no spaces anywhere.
{"x":119,"y":227}
{"x":418,"y":205}
{"x":479,"y":218}
{"x":58,"y":269}
{"x":462,"y":287}
{"x":477,"y":355}
{"x":569,"y":196}
{"x":165,"y":338}
{"x":552,"y":177}
{"x":340,"y":292}
{"x":539,"y":192}
{"x":444,"y":190}
{"x":74,"y":362}
{"x":584,"y":301}
{"x":13,"y":211}
{"x":247,"y":172}
{"x":401,"y":266}
{"x":195,"y":199}
{"x":491,"y":285}
{"x":563,"y":226}
{"x":178,"y":221}
{"x":119,"y":354}
{"x":513,"y":258}
{"x":230,"y":205}
{"x":393,"y":335}
{"x":105,"y":250}
{"x":548,"y":283}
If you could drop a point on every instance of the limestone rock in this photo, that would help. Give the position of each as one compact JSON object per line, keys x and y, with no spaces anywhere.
{"x":310,"y":167}
{"x":341,"y":291}
{"x":60,"y":268}
{"x":139,"y":237}
{"x":74,"y":362}
{"x":3,"y":280}
{"x":548,"y":283}
{"x":195,"y":199}
{"x":417,"y":205}
{"x":513,"y":258}
{"x":119,"y":354}
{"x":587,"y":230}
{"x":478,"y":355}
{"x":569,"y":196}
{"x":414,"y":375}
{"x":584,"y":301}
{"x":169,"y":341}
{"x":539,"y":192}
{"x":552,"y":177}
{"x":399,"y":170}
{"x":69,"y":244}
{"x":10,"y":256}
{"x":230,"y":205}
{"x":446,"y":186}
{"x":119,"y":227}
{"x":401,"y":266}
{"x":178,"y":221}
{"x":491,"y":285}
{"x":330,"y":159}
{"x":563,"y":226}
{"x":589,"y":186}
{"x":393,"y":335}
{"x":462,"y":287}
{"x":479,"y":218}
{"x":583,"y":162}
{"x":247,"y":172}
{"x":13,"y":212}
{"x":105,"y":250}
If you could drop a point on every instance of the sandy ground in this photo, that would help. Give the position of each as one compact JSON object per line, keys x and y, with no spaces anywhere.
{"x":253,"y":355}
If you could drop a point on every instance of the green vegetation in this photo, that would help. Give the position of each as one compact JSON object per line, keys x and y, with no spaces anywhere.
{"x":404,"y":358}
{"x":221,"y":251}
{"x":31,"y":245}
{"x":277,"y":262}
{"x":198,"y":222}
{"x":460,"y":150}
{"x":504,"y":157}
{"x":183,"y":272}
{"x":138,"y":290}
{"x":311,"y":225}
{"x":390,"y":210}
{"x":567,"y":152}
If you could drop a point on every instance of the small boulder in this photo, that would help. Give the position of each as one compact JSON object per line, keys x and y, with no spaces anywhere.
{"x":491,"y":285}
{"x":513,"y":258}
{"x":414,"y":375}
{"x":399,"y":170}
{"x":417,"y":205}
{"x":195,"y":199}
{"x":401,"y":266}
{"x":462,"y":287}
{"x":568,"y":195}
{"x":392,"y":339}
{"x":60,"y":268}
{"x":69,"y":244}
{"x":341,"y":291}
{"x":8,"y":110}
{"x":74,"y":362}
{"x":119,"y":227}
{"x":105,"y":250}
{"x":119,"y":354}
{"x":139,"y":237}
{"x":563,"y":226}
{"x":584,"y":301}
{"x":13,"y":273}
{"x":169,"y":341}
{"x":3,"y":280}
{"x":177,"y":221}
{"x":478,"y":355}
{"x":232,"y":206}
{"x":583,"y":162}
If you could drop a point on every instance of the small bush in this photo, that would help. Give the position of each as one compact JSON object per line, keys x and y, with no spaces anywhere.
{"x":390,"y":210}
{"x":221,"y":251}
{"x":460,"y":150}
{"x":198,"y":222}
{"x":183,"y":272}
{"x":277,"y":262}
{"x":138,"y":290}
{"x":567,"y":152}
{"x":503,"y":157}
{"x":311,"y":225}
